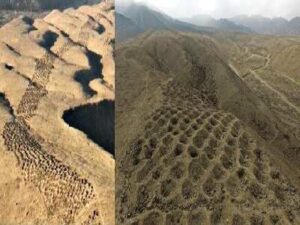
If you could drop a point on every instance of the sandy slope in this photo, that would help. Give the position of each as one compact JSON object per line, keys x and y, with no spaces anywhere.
{"x":52,"y":173}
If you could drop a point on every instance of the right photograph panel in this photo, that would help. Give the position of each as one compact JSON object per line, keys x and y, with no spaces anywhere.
{"x":208,"y":112}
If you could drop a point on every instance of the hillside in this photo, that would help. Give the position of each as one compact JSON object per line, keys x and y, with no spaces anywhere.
{"x":269,"y":66}
{"x":55,"y":69}
{"x":200,"y":143}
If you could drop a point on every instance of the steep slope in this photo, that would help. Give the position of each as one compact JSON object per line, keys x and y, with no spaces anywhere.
{"x":146,"y":19}
{"x":193,"y":139}
{"x":52,"y":173}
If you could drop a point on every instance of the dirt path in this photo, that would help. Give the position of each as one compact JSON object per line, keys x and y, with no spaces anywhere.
{"x":255,"y":72}
{"x":290,"y":79}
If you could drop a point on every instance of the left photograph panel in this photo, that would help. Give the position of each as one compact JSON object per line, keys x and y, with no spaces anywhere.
{"x":57,"y":94}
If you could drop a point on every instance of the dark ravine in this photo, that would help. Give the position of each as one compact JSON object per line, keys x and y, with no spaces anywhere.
{"x":96,"y":121}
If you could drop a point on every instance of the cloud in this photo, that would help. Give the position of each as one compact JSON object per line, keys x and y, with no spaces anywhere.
{"x":225,"y":8}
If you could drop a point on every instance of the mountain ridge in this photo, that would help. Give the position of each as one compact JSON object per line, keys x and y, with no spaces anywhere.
{"x":222,"y":24}
{"x":146,"y":18}
{"x":271,"y":26}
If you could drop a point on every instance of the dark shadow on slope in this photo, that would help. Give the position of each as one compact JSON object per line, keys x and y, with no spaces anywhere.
{"x":49,"y":38}
{"x":4,"y":102}
{"x":94,"y":61}
{"x":100,"y":29}
{"x":29,"y":21}
{"x":12,"y":49}
{"x":84,"y":77}
{"x":9,"y":67}
{"x":97,"y":121}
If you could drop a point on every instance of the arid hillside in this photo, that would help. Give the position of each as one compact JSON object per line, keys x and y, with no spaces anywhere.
{"x":199,"y":143}
{"x":270,"y":67}
{"x":56,"y":118}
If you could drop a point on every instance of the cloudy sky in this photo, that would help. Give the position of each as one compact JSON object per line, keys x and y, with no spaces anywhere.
{"x":225,"y":8}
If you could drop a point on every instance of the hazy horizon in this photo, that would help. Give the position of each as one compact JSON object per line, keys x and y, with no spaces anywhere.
{"x":287,"y":9}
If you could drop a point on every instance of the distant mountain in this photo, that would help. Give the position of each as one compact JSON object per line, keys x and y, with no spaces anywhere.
{"x":294,"y":24}
{"x":201,"y":20}
{"x":264,"y":25}
{"x":126,"y":28}
{"x":147,"y":18}
{"x":222,"y":24}
{"x":230,"y":26}
{"x":135,"y":18}
{"x":250,"y":24}
{"x":140,"y":18}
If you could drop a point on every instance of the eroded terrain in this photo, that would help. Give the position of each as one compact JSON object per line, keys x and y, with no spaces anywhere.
{"x":53,"y":173}
{"x":207,"y":149}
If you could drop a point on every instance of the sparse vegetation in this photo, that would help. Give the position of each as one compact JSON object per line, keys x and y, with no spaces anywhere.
{"x":216,"y":166}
